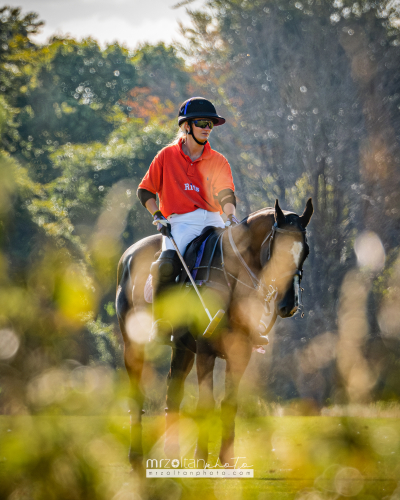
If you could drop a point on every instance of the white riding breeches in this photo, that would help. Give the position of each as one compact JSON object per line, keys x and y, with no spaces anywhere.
{"x":185,"y":227}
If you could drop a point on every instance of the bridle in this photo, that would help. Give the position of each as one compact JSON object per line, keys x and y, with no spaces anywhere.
{"x":270,"y":237}
{"x":269,"y":292}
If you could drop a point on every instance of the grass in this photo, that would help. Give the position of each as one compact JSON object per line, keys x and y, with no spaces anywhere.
{"x":302,"y":458}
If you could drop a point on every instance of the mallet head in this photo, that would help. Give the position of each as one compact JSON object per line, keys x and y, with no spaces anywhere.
{"x":214,"y":323}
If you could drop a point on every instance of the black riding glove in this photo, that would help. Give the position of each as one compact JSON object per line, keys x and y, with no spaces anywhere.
{"x":232,"y":221}
{"x":162,"y":224}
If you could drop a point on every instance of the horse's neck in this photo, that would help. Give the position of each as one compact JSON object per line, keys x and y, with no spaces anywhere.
{"x":259,"y":225}
{"x":240,"y":242}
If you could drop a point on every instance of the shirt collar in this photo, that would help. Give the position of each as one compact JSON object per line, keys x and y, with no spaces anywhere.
{"x":205,"y":154}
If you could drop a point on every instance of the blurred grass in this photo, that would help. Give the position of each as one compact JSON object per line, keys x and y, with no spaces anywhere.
{"x":293,"y":457}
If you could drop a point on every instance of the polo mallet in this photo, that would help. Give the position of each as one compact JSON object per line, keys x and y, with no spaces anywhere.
{"x":214,"y":321}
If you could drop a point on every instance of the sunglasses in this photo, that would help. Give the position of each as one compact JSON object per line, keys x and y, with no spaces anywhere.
{"x":203,"y":123}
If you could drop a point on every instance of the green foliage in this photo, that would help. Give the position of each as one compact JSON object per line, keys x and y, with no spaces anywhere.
{"x":110,"y":309}
{"x":108,"y":350}
{"x":15,"y":50}
{"x":68,"y":199}
{"x":73,"y":98}
{"x":309,"y":91}
{"x":163,"y":72}
{"x":305,"y":457}
{"x":97,"y":176}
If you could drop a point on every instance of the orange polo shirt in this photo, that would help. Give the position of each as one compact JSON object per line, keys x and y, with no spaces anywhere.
{"x":184,"y":185}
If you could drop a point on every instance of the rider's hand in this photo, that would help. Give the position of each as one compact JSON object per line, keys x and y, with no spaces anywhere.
{"x":232,"y":221}
{"x":162,"y":224}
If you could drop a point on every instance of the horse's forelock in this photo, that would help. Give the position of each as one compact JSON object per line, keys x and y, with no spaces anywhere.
{"x":293,"y":219}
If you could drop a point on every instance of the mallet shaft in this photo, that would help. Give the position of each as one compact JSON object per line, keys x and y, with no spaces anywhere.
{"x":190,"y":277}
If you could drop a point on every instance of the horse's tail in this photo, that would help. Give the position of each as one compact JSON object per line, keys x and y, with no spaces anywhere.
{"x":128,"y":264}
{"x":123,"y":269}
{"x":124,"y":282}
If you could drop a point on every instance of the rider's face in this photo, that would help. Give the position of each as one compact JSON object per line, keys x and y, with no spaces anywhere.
{"x":201,"y":134}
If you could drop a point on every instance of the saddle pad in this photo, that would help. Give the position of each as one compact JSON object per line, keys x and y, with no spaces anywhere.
{"x":199,"y":250}
{"x":148,"y":290}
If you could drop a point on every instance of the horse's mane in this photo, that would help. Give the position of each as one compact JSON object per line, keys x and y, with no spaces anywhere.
{"x":266,"y":211}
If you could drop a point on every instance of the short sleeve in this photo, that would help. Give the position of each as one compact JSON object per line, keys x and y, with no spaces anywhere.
{"x":223,"y":179}
{"x":153,"y":179}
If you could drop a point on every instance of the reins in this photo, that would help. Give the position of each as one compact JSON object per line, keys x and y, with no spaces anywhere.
{"x":255,"y":281}
{"x":252,"y":276}
{"x":257,"y":284}
{"x":270,"y":236}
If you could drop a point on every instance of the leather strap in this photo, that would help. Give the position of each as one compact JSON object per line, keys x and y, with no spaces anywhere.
{"x":252,"y":276}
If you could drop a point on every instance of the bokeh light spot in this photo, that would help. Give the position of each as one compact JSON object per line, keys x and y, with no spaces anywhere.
{"x":138,"y":326}
{"x":385,"y":440}
{"x":369,"y":251}
{"x":49,"y":387}
{"x":9,"y":343}
{"x":349,"y":482}
{"x":308,"y":494}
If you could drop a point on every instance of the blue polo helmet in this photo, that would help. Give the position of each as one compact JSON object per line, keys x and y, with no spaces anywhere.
{"x":199,"y":107}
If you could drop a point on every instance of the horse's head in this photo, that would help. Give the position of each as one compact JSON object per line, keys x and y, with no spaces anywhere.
{"x":282,"y":254}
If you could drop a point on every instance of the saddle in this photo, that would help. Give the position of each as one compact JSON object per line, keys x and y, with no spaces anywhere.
{"x":199,"y":255}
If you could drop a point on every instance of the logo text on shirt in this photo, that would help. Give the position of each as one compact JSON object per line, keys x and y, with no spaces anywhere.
{"x":191,"y":187}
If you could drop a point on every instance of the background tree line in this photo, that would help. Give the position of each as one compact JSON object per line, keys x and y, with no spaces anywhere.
{"x":311,"y":95}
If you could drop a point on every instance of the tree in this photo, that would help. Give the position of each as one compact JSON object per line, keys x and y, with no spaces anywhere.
{"x":310,"y":93}
{"x":74,"y":97}
{"x":14,"y":46}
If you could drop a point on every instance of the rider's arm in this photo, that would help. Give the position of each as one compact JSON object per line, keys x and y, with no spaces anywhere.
{"x":151,"y":183}
{"x":151,"y":205}
{"x":148,"y":200}
{"x":144,"y":196}
{"x":229,"y":209}
{"x":227,"y":200}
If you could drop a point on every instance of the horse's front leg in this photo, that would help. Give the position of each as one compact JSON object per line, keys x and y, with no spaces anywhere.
{"x":205,"y":366}
{"x":238,"y":349}
{"x":181,"y":364}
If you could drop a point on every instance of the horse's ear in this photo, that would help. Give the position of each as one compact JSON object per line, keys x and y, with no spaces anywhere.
{"x":279,"y":216}
{"x":305,"y":218}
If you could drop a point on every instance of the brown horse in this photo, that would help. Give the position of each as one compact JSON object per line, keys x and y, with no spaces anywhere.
{"x":255,"y":273}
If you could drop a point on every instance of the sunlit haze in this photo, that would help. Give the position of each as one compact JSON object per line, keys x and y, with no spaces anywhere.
{"x":127,"y":21}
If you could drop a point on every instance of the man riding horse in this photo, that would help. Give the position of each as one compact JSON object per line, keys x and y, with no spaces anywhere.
{"x":194,"y":184}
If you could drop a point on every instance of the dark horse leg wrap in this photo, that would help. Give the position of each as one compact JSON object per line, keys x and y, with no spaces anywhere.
{"x":165,"y":270}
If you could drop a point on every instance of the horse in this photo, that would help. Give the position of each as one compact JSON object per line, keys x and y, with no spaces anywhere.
{"x":256,"y":273}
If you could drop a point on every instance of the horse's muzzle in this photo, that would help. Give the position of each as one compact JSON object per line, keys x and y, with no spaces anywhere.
{"x":286,"y":310}
{"x":289,"y":305}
